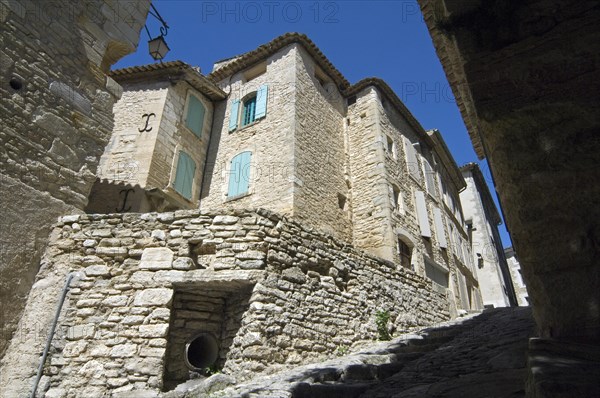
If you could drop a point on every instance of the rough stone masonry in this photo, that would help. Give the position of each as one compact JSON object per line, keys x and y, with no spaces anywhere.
{"x":271,"y":292}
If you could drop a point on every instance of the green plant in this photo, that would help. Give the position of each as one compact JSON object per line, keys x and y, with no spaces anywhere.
{"x":211,"y":370}
{"x":382,"y":318}
{"x":342,"y":350}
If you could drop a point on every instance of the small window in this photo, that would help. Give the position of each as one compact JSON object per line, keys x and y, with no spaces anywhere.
{"x":397,"y":200}
{"x":253,"y":107}
{"x":390,"y":147}
{"x":184,"y":177}
{"x":249,"y":110}
{"x":239,"y":175}
{"x":194,"y":117}
{"x":405,"y":253}
{"x":342,"y":202}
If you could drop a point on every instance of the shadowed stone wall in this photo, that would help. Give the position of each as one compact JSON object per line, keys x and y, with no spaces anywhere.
{"x":56,"y":110}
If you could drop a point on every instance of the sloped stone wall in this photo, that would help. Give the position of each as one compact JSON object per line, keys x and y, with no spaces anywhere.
{"x":308,"y":295}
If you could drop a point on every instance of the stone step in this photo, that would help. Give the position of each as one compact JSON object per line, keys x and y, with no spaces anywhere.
{"x":348,"y":390}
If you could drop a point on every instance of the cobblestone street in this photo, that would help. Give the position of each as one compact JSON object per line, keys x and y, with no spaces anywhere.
{"x":477,"y":356}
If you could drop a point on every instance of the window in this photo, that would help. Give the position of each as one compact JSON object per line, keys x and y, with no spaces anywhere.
{"x":249,"y":111}
{"x":391,"y":147}
{"x":239,"y":175}
{"x":404,"y":252}
{"x":254,"y":107}
{"x":184,"y":177}
{"x":194,"y":117}
{"x":342,"y":202}
{"x":397,"y":200}
{"x":436,"y":273}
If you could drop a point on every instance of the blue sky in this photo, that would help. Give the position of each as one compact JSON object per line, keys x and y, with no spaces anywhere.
{"x":386,"y":39}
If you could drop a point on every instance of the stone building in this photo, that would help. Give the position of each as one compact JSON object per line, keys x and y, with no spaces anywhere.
{"x":292,"y":136}
{"x":56,"y":108}
{"x":517,"y":276}
{"x":155,"y":158}
{"x":482,"y":219}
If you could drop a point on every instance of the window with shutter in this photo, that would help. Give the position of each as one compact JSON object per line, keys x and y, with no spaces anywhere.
{"x":233,"y":114}
{"x":184,"y":177}
{"x":249,"y":111}
{"x":239,"y":175}
{"x":429,"y":177}
{"x":440,"y":233}
{"x":422,"y":214}
{"x":411,"y":160}
{"x":194,"y":119}
{"x":261,"y":102}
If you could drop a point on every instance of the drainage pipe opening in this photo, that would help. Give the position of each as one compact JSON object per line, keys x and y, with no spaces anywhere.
{"x":201,"y":352}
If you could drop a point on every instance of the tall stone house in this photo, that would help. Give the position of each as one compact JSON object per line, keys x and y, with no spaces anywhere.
{"x":280,"y":128}
{"x":516,"y":276}
{"x":482,"y":220}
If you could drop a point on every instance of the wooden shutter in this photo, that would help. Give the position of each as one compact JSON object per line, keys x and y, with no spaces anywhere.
{"x":411,"y":159}
{"x":429,"y":177}
{"x":184,"y":177}
{"x":239,"y":175}
{"x":440,"y":233}
{"x":422,"y":214}
{"x":233,"y":114}
{"x":261,"y":102}
{"x":194,"y":119}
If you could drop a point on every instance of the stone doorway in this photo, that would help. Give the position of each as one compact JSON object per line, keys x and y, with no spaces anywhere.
{"x":205,"y":319}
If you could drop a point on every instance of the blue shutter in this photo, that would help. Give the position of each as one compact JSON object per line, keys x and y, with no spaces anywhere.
{"x":194,"y":119}
{"x":233,"y":114}
{"x":261,"y":102}
{"x":239,"y":175}
{"x":184,"y":178}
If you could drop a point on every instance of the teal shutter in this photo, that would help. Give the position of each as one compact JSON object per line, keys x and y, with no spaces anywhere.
{"x":194,"y":119}
{"x":239,"y":175}
{"x":184,"y":178}
{"x":233,"y":114}
{"x":261,"y":102}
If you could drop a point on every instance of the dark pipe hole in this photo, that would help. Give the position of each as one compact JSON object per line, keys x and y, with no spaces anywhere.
{"x":202,"y":352}
{"x":15,"y":83}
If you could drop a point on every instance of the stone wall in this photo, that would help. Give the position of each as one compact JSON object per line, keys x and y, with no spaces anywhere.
{"x":272,"y":292}
{"x":56,"y":110}
{"x":322,"y":176}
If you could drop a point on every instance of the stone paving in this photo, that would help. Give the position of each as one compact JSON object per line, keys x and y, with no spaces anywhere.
{"x":481,"y":355}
